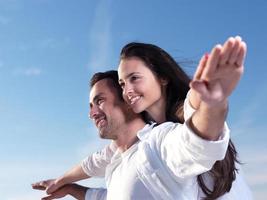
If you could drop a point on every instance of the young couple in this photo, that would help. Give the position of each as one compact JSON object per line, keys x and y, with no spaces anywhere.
{"x":169,"y":142}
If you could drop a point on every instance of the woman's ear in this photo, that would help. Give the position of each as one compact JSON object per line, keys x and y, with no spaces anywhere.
{"x":164,"y":81}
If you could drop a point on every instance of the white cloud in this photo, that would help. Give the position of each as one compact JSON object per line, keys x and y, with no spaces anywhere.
{"x":18,"y":177}
{"x":257,"y":156}
{"x":254,"y":166}
{"x":260,"y":194}
{"x":48,"y":43}
{"x":100,"y":37}
{"x":32,"y":71}
{"x":23,"y":47}
{"x":246,"y":121}
{"x":257,"y":178}
{"x":248,"y":131}
{"x":93,"y":145}
{"x":249,"y":126}
{"x":29,"y":196}
{"x":10,"y":4}
{"x":4,"y":20}
{"x":45,"y":44}
{"x":52,"y":43}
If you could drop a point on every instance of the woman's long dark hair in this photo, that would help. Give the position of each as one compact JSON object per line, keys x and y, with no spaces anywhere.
{"x":164,"y":66}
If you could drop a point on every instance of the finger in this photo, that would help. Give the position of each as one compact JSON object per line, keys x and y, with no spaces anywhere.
{"x":53,"y":187}
{"x":50,"y":197}
{"x":242,"y":54}
{"x":234,"y":54}
{"x":60,"y":193}
{"x":226,"y":50}
{"x":212,"y":63}
{"x":46,"y":198}
{"x":38,"y":187}
{"x":201,"y":66}
{"x":200,"y":87}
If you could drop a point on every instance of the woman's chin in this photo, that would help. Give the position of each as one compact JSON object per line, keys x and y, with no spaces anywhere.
{"x":137,"y":109}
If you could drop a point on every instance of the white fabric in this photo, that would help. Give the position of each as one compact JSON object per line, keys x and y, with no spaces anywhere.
{"x":167,"y":161}
{"x":171,"y":156}
{"x":122,"y":180}
{"x":121,"y":177}
{"x":240,"y":189}
{"x":96,"y":193}
{"x":95,"y":164}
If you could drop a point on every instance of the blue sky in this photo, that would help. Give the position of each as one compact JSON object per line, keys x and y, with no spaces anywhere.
{"x":50,"y":48}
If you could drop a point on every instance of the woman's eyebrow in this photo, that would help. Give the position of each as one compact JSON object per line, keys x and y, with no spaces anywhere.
{"x":129,"y":75}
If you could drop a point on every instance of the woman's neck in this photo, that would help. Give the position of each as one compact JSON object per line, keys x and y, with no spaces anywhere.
{"x":157,"y":111}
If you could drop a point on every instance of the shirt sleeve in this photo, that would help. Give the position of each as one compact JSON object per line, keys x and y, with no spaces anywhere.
{"x":187,"y":155}
{"x":188,"y":109}
{"x":95,"y":164}
{"x":96,"y":194}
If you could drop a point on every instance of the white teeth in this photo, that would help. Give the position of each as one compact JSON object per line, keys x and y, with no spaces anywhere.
{"x":134,"y":99}
{"x":100,"y":121}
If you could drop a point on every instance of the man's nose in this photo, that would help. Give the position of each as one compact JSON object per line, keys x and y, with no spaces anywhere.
{"x":93,"y":112}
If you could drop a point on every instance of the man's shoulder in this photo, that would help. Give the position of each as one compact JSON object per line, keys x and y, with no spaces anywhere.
{"x":159,"y":132}
{"x":166,"y":127}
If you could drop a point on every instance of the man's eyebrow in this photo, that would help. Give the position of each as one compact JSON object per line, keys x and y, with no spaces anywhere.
{"x":98,"y":96}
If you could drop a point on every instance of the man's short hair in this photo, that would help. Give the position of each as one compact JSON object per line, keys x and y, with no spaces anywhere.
{"x":112,"y":75}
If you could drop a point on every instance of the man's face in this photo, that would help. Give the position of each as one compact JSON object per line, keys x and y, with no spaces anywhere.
{"x":106,"y":109}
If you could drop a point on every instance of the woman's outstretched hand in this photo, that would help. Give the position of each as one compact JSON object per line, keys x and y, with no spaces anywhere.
{"x":219,"y":73}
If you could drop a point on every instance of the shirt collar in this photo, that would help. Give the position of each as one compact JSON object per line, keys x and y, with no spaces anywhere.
{"x":141,"y":134}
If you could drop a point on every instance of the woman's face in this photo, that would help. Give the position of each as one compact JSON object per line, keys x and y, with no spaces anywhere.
{"x":141,"y":88}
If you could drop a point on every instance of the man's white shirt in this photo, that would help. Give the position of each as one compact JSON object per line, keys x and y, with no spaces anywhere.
{"x":164,"y":164}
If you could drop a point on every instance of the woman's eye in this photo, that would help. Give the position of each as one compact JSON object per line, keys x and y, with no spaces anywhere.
{"x":133,"y":78}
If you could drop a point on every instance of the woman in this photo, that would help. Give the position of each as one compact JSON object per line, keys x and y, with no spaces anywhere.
{"x":154,"y":84}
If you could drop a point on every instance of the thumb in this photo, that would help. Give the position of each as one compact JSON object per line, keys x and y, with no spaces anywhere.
{"x":50,"y":197}
{"x":200,"y":87}
{"x":38,"y":187}
{"x":51,"y":188}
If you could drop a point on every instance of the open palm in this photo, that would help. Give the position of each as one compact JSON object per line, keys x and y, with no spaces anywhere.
{"x":219,"y":73}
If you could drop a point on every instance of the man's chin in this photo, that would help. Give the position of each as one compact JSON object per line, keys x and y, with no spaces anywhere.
{"x":103,"y":134}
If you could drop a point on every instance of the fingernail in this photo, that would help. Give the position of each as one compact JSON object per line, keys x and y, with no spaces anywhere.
{"x":206,"y":56}
{"x":238,"y":37}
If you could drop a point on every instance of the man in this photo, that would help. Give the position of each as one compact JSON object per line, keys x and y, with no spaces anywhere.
{"x":114,"y":120}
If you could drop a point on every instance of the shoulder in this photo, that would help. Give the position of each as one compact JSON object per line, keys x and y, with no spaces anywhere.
{"x":158,"y":133}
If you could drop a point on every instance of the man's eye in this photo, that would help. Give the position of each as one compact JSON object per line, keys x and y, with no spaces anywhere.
{"x":99,"y":101}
